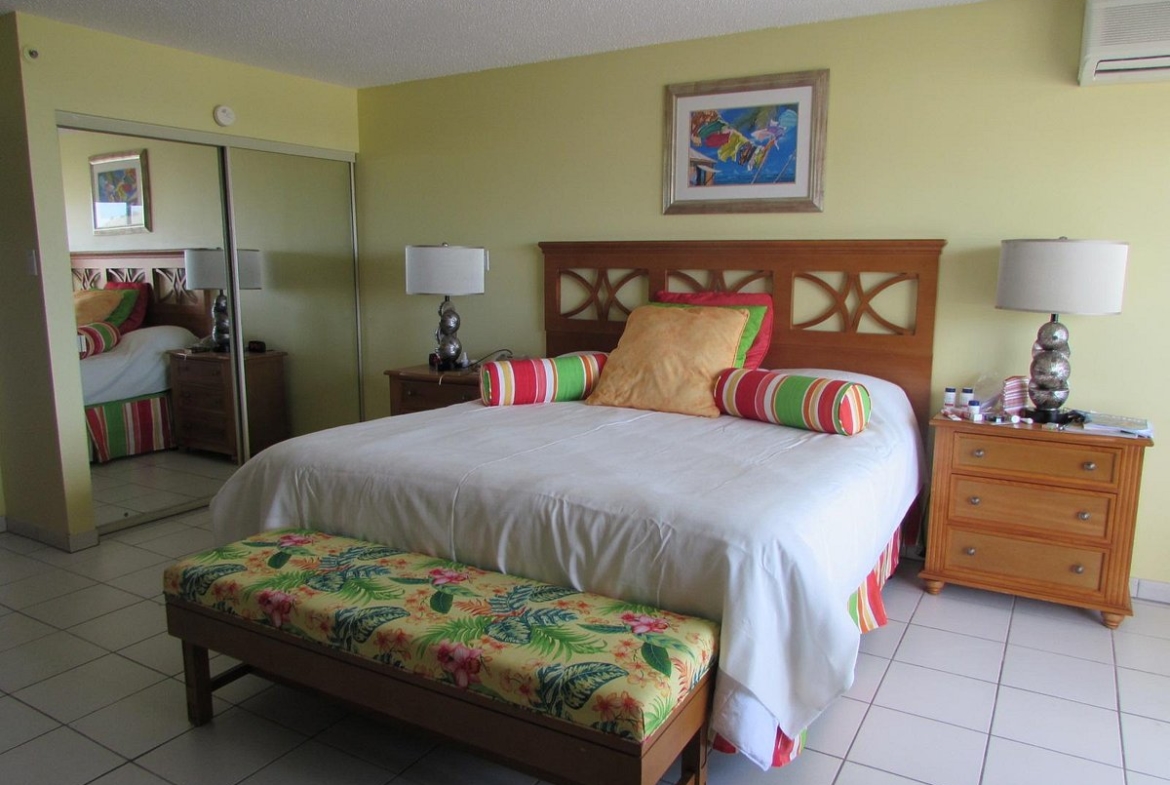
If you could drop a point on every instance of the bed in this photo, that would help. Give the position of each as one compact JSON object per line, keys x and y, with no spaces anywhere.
{"x":705,"y":516}
{"x":126,"y":389}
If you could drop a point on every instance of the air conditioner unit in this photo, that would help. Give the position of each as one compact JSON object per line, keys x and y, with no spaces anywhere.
{"x":1125,"y":41}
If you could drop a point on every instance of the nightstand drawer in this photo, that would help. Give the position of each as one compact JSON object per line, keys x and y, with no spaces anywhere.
{"x":211,"y":374}
{"x":422,"y":396}
{"x":1017,"y":457}
{"x":212,"y":433}
{"x":977,"y":552}
{"x":204,"y":399}
{"x":1059,"y":510}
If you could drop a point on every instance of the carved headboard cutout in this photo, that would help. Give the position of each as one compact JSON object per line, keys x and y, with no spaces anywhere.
{"x":171,"y":301}
{"x":859,"y":305}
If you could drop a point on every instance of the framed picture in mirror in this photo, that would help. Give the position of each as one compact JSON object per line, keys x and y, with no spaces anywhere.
{"x":120,"y":185}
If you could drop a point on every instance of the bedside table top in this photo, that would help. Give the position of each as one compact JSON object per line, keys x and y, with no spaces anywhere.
{"x":1035,"y":431}
{"x":425,"y":373}
{"x":187,"y":354}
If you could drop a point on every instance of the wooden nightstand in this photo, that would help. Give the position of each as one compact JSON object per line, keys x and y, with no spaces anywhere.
{"x":1038,"y":513}
{"x":205,"y":405}
{"x":420,"y":388}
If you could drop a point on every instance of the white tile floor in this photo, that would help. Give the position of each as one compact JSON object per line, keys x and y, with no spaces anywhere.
{"x":966,"y":688}
{"x":135,"y":490}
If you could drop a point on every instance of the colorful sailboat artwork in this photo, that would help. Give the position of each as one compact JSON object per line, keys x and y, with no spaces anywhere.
{"x":750,"y":145}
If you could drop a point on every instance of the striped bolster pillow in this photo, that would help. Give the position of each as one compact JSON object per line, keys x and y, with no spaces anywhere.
{"x":96,"y":337}
{"x":827,"y":405}
{"x":514,"y":382}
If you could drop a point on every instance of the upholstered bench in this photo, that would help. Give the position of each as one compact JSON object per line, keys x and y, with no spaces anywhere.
{"x":572,"y":687}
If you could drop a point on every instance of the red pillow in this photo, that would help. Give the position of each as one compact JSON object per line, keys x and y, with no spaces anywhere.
{"x":759,"y":348}
{"x":138,"y":313}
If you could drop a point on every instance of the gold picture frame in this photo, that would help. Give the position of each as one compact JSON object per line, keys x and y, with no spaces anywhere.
{"x":749,"y":145}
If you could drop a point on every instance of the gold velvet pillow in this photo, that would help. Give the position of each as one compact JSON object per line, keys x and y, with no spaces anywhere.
{"x":94,"y":305}
{"x":668,"y":359}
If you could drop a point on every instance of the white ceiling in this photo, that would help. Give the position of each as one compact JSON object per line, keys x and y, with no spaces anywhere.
{"x":363,"y":43}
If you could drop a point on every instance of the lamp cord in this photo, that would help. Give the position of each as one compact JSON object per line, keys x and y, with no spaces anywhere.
{"x":497,"y":354}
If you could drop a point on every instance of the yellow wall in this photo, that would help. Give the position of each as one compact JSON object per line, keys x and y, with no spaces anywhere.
{"x":88,"y":72}
{"x":11,"y":134}
{"x":964,"y":123}
{"x":186,"y":209}
{"x":27,"y":423}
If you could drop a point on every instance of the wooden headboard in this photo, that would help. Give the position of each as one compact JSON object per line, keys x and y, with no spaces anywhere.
{"x":590,"y":288}
{"x":171,"y":301}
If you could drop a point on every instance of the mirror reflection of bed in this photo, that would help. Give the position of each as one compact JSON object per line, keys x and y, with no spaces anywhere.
{"x":137,"y":472}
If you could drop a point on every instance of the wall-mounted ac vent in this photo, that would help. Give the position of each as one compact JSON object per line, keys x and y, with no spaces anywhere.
{"x":1125,"y":41}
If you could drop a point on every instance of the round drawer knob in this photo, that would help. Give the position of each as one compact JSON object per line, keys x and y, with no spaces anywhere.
{"x":969,"y":551}
{"x":409,"y":393}
{"x":978,"y":453}
{"x":1089,"y":466}
{"x":1079,"y":569}
{"x":975,"y":501}
{"x":1084,"y":515}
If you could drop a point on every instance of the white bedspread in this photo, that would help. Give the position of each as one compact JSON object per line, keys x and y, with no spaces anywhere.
{"x":764,"y":528}
{"x":136,"y":366}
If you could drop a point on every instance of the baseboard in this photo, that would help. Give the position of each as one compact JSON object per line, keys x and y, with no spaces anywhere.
{"x":110,"y":527}
{"x":78,"y":541}
{"x":1152,"y":591}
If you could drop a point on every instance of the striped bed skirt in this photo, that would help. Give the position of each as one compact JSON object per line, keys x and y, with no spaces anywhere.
{"x":131,"y":426}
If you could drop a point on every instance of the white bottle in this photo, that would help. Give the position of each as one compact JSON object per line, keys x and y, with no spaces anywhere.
{"x":949,"y":400}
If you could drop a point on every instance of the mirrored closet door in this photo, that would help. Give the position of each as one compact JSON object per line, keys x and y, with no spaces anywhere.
{"x":291,"y":214}
{"x":279,"y":230}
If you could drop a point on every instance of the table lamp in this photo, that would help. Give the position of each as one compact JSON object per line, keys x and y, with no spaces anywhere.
{"x":447,"y":270}
{"x":206,"y":268}
{"x":1055,"y":277}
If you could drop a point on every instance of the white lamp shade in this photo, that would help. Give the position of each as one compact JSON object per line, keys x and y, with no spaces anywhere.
{"x":445,"y":269}
{"x":1062,"y":276}
{"x":206,"y":268}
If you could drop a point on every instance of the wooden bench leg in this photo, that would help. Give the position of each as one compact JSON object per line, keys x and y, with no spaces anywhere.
{"x":694,"y":759}
{"x":197,"y":674}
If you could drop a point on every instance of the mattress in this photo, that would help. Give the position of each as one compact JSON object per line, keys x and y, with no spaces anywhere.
{"x":136,"y":366}
{"x":764,"y":528}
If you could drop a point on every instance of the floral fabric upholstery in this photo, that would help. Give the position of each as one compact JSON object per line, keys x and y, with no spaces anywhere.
{"x":594,"y":661}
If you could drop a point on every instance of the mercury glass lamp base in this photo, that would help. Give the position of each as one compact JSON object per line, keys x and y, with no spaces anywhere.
{"x":221,"y":332}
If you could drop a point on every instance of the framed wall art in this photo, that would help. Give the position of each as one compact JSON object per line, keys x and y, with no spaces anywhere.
{"x":749,"y":145}
{"x":120,"y":184}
